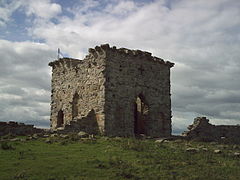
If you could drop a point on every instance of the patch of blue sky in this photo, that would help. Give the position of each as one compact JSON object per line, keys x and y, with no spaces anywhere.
{"x":66,"y":6}
{"x":4,"y":2}
{"x":169,"y":3}
{"x":55,"y":20}
{"x":17,"y":28}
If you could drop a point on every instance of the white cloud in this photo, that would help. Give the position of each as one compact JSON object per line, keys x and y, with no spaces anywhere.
{"x":43,"y":9}
{"x":122,"y":8}
{"x":25,"y":81}
{"x":84,"y":6}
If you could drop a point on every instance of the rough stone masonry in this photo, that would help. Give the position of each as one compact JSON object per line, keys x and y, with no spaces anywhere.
{"x":202,"y":130}
{"x":19,"y":129}
{"x":115,"y":92}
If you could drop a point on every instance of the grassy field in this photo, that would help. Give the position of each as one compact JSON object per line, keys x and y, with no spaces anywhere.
{"x":69,"y":158}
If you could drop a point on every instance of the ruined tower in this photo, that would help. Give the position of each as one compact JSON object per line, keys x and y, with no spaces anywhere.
{"x":116,"y":92}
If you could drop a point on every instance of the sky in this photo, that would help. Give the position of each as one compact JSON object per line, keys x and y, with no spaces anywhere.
{"x":202,"y":38}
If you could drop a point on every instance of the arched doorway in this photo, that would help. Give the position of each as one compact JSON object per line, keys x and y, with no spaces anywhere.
{"x":141,"y":110}
{"x":75,"y":105}
{"x":60,"y":118}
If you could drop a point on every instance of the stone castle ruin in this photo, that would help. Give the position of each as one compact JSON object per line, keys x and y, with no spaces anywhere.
{"x":115,"y":92}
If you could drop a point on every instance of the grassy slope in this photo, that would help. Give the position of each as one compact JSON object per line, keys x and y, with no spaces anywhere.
{"x":117,"y":158}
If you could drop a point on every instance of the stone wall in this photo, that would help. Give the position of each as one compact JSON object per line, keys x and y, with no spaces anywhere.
{"x":15,"y":128}
{"x":83,"y":80}
{"x":106,"y":85}
{"x":201,"y":129}
{"x":131,"y":74}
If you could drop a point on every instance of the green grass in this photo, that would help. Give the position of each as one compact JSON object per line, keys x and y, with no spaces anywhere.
{"x":116,"y":158}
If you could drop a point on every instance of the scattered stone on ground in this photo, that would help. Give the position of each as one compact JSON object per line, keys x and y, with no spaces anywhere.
{"x":160,"y":140}
{"x":217,"y":151}
{"x":48,"y":140}
{"x":29,"y":138}
{"x":236,"y":147}
{"x":83,"y":134}
{"x":205,"y":149}
{"x":54,"y":135}
{"x":34,"y":136}
{"x":178,"y":141}
{"x":14,"y":139}
{"x":237,"y":154}
{"x":192,"y":150}
{"x":65,"y":136}
{"x":222,"y":146}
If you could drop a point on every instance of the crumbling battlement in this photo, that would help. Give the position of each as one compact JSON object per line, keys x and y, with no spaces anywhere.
{"x":101,"y":52}
{"x":16,"y":128}
{"x":104,"y":49}
{"x":202,"y":129}
{"x":122,"y":92}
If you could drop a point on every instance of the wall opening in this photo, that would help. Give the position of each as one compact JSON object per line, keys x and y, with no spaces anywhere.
{"x":141,"y":111}
{"x":60,"y":118}
{"x":75,"y":105}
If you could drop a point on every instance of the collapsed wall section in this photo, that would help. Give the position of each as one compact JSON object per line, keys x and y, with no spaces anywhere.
{"x":18,"y":129}
{"x":201,"y":129}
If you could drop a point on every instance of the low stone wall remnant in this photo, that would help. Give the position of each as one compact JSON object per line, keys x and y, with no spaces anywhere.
{"x":201,"y":129}
{"x":15,"y":128}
